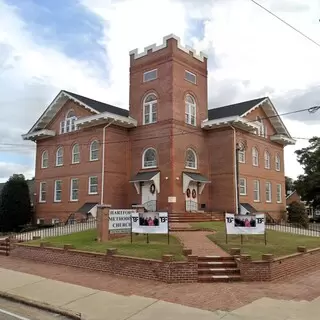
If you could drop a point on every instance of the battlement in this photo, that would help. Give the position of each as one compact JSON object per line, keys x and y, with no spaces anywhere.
{"x":153,"y":48}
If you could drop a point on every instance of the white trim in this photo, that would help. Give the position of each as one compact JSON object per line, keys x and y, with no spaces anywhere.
{"x":243,"y":186}
{"x":73,"y":153}
{"x":188,"y":110}
{"x":255,"y":155}
{"x":55,"y":191}
{"x":90,"y":150}
{"x":71,"y":189}
{"x":256,"y":190}
{"x":61,"y":156}
{"x":277,"y":161}
{"x":279,"y":192}
{"x":149,"y":105}
{"x":186,"y":181}
{"x":40,"y":191}
{"x":39,"y":134}
{"x":143,"y":161}
{"x":147,"y":72}
{"x":268,"y":183}
{"x":42,"y":159}
{"x":191,"y":73}
{"x":90,"y":185}
{"x":100,"y":118}
{"x":281,"y":138}
{"x":243,"y":152}
{"x":136,"y":55}
{"x":195,"y":160}
{"x":267,"y":159}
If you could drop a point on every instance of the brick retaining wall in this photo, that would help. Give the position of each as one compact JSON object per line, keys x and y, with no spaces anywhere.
{"x":165,"y":270}
{"x":270,"y":268}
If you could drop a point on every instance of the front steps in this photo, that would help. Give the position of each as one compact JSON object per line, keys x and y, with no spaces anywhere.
{"x":217,"y":269}
{"x":191,"y":217}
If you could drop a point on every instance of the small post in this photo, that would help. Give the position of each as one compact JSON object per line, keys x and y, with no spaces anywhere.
{"x":131,"y":230}
{"x":241,"y":237}
{"x":265,"y":237}
{"x":147,"y":237}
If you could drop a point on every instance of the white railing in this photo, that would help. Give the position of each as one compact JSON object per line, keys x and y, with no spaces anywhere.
{"x":311,"y":232}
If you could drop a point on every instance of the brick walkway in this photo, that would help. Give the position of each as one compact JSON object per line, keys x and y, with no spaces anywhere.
{"x":199,"y":243}
{"x":222,"y":296}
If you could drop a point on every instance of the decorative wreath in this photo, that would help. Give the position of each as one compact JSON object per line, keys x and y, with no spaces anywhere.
{"x":194,"y":193}
{"x":153,"y":188}
{"x":188,"y":193}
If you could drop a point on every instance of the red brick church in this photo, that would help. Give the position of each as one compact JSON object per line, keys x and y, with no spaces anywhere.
{"x":166,"y":152}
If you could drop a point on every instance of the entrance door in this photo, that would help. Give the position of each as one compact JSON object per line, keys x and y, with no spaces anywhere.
{"x":149,"y":196}
{"x":192,"y":197}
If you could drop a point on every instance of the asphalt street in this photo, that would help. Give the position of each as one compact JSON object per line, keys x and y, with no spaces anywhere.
{"x":16,"y":311}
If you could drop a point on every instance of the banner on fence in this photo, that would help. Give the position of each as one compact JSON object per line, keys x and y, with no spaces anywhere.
{"x":150,"y":222}
{"x":245,"y":224}
{"x":120,"y":220}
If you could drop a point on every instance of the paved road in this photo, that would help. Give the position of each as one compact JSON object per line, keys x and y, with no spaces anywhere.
{"x":15,"y":311}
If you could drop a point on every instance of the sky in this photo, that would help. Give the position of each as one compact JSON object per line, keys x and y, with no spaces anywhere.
{"x":83,"y":46}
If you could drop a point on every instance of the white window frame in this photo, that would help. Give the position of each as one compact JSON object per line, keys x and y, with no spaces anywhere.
{"x":255,"y":157}
{"x":242,"y":154}
{"x":45,"y":157}
{"x":192,"y":74}
{"x":95,"y":150}
{"x":256,"y":190}
{"x":59,"y":156}
{"x":75,"y":153}
{"x":190,"y":111}
{"x":267,"y":159}
{"x":93,"y":184}
{"x":43,"y":191}
{"x":279,"y":193}
{"x":145,"y":74}
{"x":74,"y":189}
{"x":243,"y":186}
{"x":189,"y":164}
{"x":68,"y":124}
{"x":277,"y":162}
{"x":55,"y":199}
{"x":149,"y":164}
{"x":268,"y":191}
{"x":149,"y":105}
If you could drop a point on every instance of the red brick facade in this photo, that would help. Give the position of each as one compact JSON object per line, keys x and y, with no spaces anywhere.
{"x":213,"y":143}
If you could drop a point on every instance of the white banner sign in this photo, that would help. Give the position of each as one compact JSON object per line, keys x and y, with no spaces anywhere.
{"x":245,"y":224}
{"x":150,"y":222}
{"x":120,"y":220}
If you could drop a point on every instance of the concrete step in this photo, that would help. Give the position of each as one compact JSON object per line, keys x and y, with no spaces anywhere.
{"x":215,"y":258}
{"x":219,"y":278}
{"x":216,"y":264}
{"x":218,"y":271}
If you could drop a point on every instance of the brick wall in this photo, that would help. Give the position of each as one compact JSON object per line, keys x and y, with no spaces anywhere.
{"x":165,"y":270}
{"x":270,"y":268}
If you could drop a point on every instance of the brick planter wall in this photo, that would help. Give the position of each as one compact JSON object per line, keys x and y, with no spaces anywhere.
{"x":165,"y":270}
{"x":270,"y":268}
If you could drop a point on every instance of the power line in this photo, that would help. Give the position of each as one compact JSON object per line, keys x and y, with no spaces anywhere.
{"x":286,"y":23}
{"x":183,"y":132}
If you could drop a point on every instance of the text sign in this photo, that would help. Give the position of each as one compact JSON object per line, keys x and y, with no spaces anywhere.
{"x":245,"y":224}
{"x":150,"y":222}
{"x":120,"y":220}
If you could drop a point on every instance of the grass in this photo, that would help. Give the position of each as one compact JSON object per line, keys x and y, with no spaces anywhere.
{"x":278,"y":243}
{"x":157,"y":246}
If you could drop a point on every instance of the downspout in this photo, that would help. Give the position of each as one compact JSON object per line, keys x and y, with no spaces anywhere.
{"x":103,"y":158}
{"x":235,"y":168}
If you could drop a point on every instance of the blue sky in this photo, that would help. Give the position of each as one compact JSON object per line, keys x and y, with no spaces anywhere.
{"x":83,"y":46}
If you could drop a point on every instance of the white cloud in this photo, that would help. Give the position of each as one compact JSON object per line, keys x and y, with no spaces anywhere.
{"x":8,"y":169}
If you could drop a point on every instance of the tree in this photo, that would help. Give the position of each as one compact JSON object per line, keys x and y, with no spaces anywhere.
{"x":308,"y":184}
{"x":289,"y":184}
{"x":15,"y":205}
{"x":297,"y":214}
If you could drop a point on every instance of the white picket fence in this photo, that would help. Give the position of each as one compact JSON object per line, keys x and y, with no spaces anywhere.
{"x":313,"y":231}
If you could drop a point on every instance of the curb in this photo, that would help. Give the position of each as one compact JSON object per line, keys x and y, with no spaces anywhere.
{"x":41,"y":305}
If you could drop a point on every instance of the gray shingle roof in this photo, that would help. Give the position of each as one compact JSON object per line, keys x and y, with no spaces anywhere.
{"x":237,"y":109}
{"x":99,"y":106}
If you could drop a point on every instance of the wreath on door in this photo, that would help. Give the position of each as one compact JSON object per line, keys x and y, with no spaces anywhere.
{"x":188,"y":193}
{"x":153,"y":188}
{"x":194,"y":193}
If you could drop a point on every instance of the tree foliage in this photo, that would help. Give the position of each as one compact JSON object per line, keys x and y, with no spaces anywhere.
{"x":15,"y":205}
{"x":297,"y":214}
{"x":308,"y":184}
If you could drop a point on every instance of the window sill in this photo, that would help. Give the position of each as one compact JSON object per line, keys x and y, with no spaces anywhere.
{"x":255,"y":165}
{"x":279,"y":202}
{"x":149,"y":123}
{"x":268,"y":201}
{"x":191,"y":125}
{"x":59,"y":165}
{"x":71,"y":200}
{"x":56,"y":201}
{"x":75,"y":162}
{"x":153,"y":167}
{"x":256,"y":201}
{"x":92,"y":160}
{"x":242,"y":194}
{"x":192,"y":168}
{"x":42,"y":202}
{"x":93,"y":193}
{"x":44,"y":167}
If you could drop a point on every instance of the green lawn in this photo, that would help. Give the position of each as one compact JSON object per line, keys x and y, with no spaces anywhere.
{"x":157,"y":246}
{"x":278,"y":243}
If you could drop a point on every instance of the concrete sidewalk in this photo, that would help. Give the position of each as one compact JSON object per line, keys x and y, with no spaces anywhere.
{"x":95,"y":304}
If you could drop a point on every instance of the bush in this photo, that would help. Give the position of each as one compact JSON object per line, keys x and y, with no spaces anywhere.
{"x":297,"y":214}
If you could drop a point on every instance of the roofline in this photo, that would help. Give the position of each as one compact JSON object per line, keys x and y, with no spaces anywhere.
{"x":291,"y":194}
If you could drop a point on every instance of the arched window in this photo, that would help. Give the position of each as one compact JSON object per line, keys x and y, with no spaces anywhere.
{"x":94,"y":150}
{"x":255,"y":157}
{"x":191,"y":159}
{"x":59,"y":157}
{"x":191,"y":110}
{"x":150,"y":109}
{"x":76,"y":153}
{"x":149,"y":158}
{"x":242,"y":153}
{"x":44,"y":159}
{"x":267,"y":159}
{"x":68,"y":124}
{"x":278,"y":163}
{"x":262,"y":128}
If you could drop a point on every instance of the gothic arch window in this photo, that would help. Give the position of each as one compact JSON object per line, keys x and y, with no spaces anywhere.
{"x":149,"y":158}
{"x":76,"y":153}
{"x":150,"y":109}
{"x":68,"y":124}
{"x":191,"y":159}
{"x":94,"y":150}
{"x":44,"y":159}
{"x":191,"y":110}
{"x":255,"y":157}
{"x":59,"y":157}
{"x":266,"y":159}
